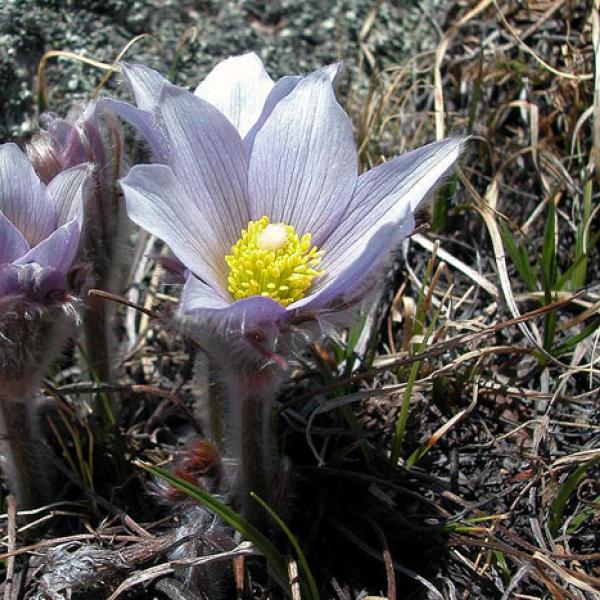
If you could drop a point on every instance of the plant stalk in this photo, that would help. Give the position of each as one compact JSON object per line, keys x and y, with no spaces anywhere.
{"x":24,"y":464}
{"x":237,"y":418}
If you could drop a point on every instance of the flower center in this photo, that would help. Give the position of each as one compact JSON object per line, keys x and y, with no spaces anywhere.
{"x":271,"y":260}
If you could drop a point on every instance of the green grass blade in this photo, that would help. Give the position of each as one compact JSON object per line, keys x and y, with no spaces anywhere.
{"x":519,"y":256}
{"x":307,"y":575}
{"x":579,"y":274}
{"x":549,"y":272}
{"x":559,"y":503}
{"x":578,"y":337}
{"x":403,"y":416}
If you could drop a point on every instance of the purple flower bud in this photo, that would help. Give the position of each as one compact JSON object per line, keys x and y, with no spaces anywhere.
{"x":40,"y":228}
{"x":89,"y":134}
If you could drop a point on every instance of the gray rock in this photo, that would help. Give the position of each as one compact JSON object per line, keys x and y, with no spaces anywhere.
{"x":291,"y":36}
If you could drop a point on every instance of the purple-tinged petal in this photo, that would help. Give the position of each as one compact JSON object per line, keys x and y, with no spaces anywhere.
{"x":145,"y":123}
{"x":279,"y":91}
{"x":23,"y":198}
{"x":197,"y":295}
{"x":358,"y":276}
{"x":67,"y":143}
{"x":199,"y":299}
{"x":146,"y":85}
{"x":386,"y":194}
{"x":12,"y":242}
{"x":157,"y":202}
{"x":57,"y":251}
{"x":303,"y":167}
{"x":208,"y":158}
{"x":66,"y":191}
{"x":31,"y":283}
{"x":238,"y":87}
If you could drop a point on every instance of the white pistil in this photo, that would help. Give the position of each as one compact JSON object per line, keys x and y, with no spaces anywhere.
{"x":272,"y":237}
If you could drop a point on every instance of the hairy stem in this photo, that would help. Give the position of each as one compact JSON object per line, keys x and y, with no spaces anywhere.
{"x":237,"y":417}
{"x":254,"y":447}
{"x":24,"y":458}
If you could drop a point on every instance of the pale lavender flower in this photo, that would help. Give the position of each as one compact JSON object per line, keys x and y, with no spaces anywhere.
{"x":243,"y":147}
{"x":257,"y":193}
{"x":40,"y":228}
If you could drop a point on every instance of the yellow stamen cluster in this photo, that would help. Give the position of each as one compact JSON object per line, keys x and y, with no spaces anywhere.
{"x":271,"y":260}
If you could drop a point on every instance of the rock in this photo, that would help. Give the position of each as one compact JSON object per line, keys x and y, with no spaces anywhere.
{"x":291,"y":36}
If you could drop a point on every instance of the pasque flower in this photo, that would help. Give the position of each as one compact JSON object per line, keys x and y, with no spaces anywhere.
{"x":256,"y":190}
{"x":40,"y":227}
{"x":259,"y":196}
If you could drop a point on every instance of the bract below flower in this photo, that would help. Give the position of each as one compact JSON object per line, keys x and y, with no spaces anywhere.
{"x":259,"y":196}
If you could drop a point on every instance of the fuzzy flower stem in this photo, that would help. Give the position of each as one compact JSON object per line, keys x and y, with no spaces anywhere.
{"x":24,"y":465}
{"x":238,"y":418}
{"x":34,"y":343}
{"x":254,"y":448}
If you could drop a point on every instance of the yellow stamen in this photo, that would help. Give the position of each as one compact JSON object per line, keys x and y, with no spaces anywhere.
{"x":271,"y":260}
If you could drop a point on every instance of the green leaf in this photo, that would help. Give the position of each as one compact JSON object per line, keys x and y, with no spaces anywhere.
{"x":565,"y":492}
{"x":578,"y":337}
{"x":519,"y":256}
{"x":307,"y":575}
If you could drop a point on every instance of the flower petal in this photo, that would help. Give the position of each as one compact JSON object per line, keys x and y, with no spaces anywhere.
{"x":23,"y":198}
{"x":57,"y":251}
{"x":303,"y":167}
{"x":145,"y":83}
{"x":359,"y":275}
{"x":66,"y":142}
{"x":12,"y":242}
{"x":279,"y":91}
{"x":238,"y":87}
{"x":387,"y":193}
{"x":208,"y":157}
{"x":145,"y":123}
{"x":198,"y":299}
{"x":66,"y":191}
{"x":157,"y":202}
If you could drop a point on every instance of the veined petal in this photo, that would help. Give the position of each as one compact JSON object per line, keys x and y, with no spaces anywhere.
{"x":145,"y":122}
{"x":199,"y":299}
{"x":208,"y":158}
{"x":303,"y":166}
{"x":238,"y":87}
{"x":388,"y":193}
{"x":23,"y":198}
{"x":66,"y":141}
{"x":278,"y":92}
{"x":58,"y":250}
{"x":66,"y":191}
{"x":358,"y":275}
{"x":146,"y":85}
{"x":157,"y":202}
{"x":12,"y":242}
